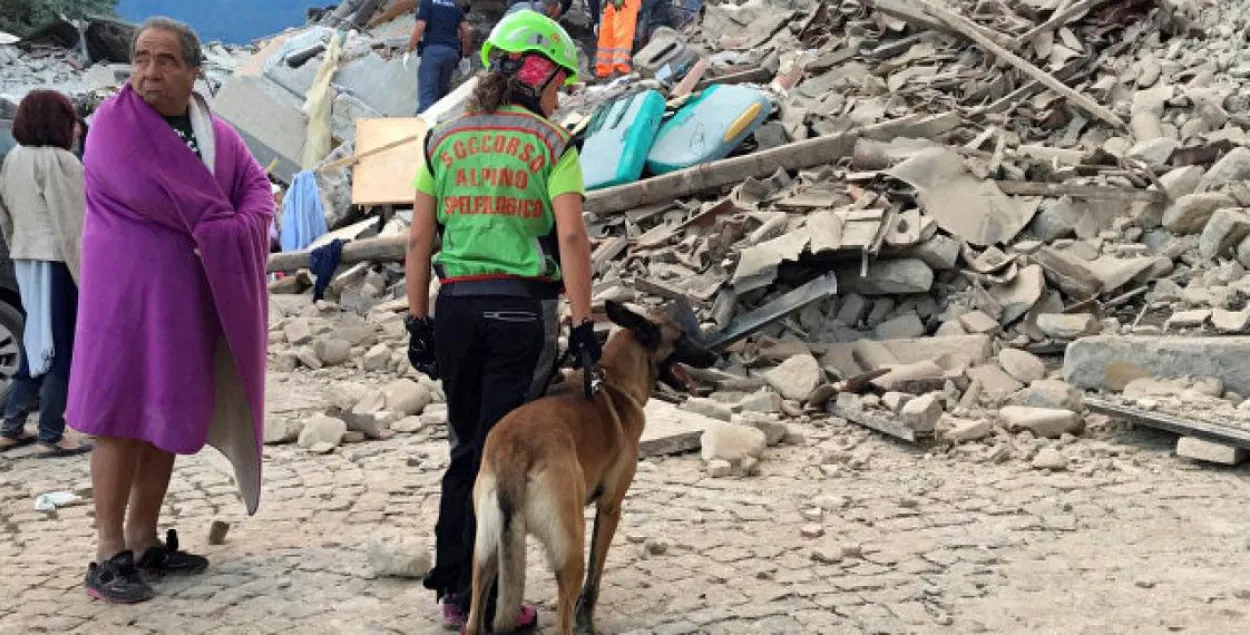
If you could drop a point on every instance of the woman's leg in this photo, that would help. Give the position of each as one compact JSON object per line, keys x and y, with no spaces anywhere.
{"x":459,"y":361}
{"x":55,"y":390}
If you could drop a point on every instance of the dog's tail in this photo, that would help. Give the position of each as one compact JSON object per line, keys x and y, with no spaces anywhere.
{"x":501,"y":530}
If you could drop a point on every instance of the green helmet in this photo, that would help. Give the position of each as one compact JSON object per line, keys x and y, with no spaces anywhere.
{"x":530,"y":31}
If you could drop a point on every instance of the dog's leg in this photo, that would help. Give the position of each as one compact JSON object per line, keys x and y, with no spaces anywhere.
{"x":607,"y":516}
{"x":556,"y":519}
{"x":572,"y":564}
{"x":485,"y":554}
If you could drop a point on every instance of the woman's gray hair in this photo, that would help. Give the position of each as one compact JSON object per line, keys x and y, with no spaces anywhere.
{"x":192,"y":53}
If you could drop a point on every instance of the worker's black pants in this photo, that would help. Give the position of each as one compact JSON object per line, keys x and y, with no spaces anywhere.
{"x":494,"y":354}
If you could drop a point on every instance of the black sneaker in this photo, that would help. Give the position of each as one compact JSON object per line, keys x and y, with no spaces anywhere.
{"x":117,"y":580}
{"x":167,"y":559}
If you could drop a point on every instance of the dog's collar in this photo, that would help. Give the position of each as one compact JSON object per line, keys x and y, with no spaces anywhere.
{"x":607,"y":381}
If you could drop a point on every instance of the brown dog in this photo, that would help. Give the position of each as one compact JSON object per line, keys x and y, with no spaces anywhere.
{"x":548,"y":459}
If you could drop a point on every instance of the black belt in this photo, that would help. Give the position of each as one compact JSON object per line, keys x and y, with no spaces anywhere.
{"x":515,"y":287}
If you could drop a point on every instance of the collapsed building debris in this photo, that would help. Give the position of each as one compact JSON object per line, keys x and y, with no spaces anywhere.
{"x":929,"y":206}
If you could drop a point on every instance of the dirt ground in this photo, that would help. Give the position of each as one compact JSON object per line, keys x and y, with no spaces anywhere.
{"x":844,"y":533}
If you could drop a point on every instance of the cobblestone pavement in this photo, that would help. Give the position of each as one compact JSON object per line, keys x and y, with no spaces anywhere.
{"x":847,"y":533}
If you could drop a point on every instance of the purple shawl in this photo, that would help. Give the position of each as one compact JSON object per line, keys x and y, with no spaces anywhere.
{"x":173,"y":313}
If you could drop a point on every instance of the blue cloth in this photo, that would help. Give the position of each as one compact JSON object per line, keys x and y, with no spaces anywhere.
{"x":49,"y":391}
{"x":34,"y":283}
{"x":442,"y":24}
{"x":438,"y":64}
{"x":322,"y":262}
{"x":303,"y":215}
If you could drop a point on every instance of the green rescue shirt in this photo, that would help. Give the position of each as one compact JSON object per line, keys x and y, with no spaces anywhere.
{"x":494,"y":176}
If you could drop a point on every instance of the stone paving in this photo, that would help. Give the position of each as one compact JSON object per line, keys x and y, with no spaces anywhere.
{"x":846,"y":533}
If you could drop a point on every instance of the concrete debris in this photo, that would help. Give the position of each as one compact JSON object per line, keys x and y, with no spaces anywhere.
{"x":398,"y":557}
{"x":322,"y":430}
{"x":1209,"y":452}
{"x":1042,"y":422}
{"x":795,"y":378}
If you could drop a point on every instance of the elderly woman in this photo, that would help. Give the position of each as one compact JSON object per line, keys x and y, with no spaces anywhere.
{"x":41,"y":215}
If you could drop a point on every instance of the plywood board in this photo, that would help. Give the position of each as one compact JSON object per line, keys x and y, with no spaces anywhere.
{"x":386,"y":178}
{"x":671,"y":431}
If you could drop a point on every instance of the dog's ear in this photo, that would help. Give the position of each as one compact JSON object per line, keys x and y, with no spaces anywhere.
{"x":647,"y":333}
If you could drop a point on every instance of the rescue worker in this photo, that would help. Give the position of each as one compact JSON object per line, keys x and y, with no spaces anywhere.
{"x":443,"y":39}
{"x":502,"y":186}
{"x":616,"y":38}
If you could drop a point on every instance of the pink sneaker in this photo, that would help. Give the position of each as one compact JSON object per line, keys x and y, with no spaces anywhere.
{"x":526,"y":622}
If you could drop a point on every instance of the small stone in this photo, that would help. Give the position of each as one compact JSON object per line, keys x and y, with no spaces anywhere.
{"x":407,"y":424}
{"x":322,"y":429}
{"x":1022,"y":365}
{"x":796,"y":377}
{"x":1144,"y":583}
{"x":762,"y":401}
{"x":901,"y":327}
{"x":812,"y":531}
{"x":749,"y":466}
{"x":1042,"y":422}
{"x":813,"y":514}
{"x":963,"y":430}
{"x":377,"y":358}
{"x":1187,"y":319}
{"x":279,"y":431}
{"x":894,"y":400}
{"x":825,"y":555}
{"x":718,"y":468}
{"x":1226,"y":229}
{"x":297,"y":332}
{"x":399,"y":558}
{"x":656,"y":546}
{"x":308,"y":357}
{"x":353,"y":436}
{"x":774,"y":431}
{"x":852,"y":551}
{"x":1230,"y":321}
{"x":978,"y":322}
{"x":217,"y":532}
{"x":406,"y":397}
{"x":1049,"y":459}
{"x":707,"y":408}
{"x":1208,"y":451}
{"x":1190,"y":213}
{"x":922,"y":413}
{"x":732,"y":442}
{"x":332,"y":351}
{"x":1067,"y":326}
{"x":1051,"y":393}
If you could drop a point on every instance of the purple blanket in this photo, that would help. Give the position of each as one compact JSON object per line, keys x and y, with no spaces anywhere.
{"x":173,"y":310}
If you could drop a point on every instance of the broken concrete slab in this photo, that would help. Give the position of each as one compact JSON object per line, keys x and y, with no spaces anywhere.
{"x":887,"y":277}
{"x":1187,"y":319}
{"x":268,"y":117}
{"x":1050,"y":393}
{"x":671,"y":431}
{"x":1021,"y":294}
{"x":1067,"y":326}
{"x":967,"y":350}
{"x":901,"y":327}
{"x":1226,"y":229}
{"x":996,"y":384}
{"x":1190,"y":213}
{"x":385,"y":85}
{"x":1232,"y":167}
{"x":1230,"y":322}
{"x":1115,"y":272}
{"x":940,"y":252}
{"x":969,"y":208}
{"x":1209,"y":451}
{"x":758,"y":265}
{"x":1072,"y":275}
{"x":922,"y":413}
{"x":1024,"y":366}
{"x":795,"y":378}
{"x":1111,"y":362}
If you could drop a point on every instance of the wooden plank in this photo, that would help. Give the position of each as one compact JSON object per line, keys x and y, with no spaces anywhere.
{"x":1184,"y":427}
{"x":380,"y":249}
{"x":385,"y":178}
{"x":671,"y":431}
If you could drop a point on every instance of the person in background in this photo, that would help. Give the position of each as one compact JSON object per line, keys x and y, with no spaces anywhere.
{"x":41,"y":215}
{"x":513,"y":238}
{"x":615,"y":53}
{"x":172,"y":330}
{"x":550,"y":8}
{"x":443,"y":40}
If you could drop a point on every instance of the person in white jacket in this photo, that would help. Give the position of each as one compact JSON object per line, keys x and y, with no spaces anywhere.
{"x":41,"y":216}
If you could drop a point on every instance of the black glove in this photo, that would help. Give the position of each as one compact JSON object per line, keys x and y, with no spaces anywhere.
{"x":583,"y":344}
{"x":421,"y":345}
